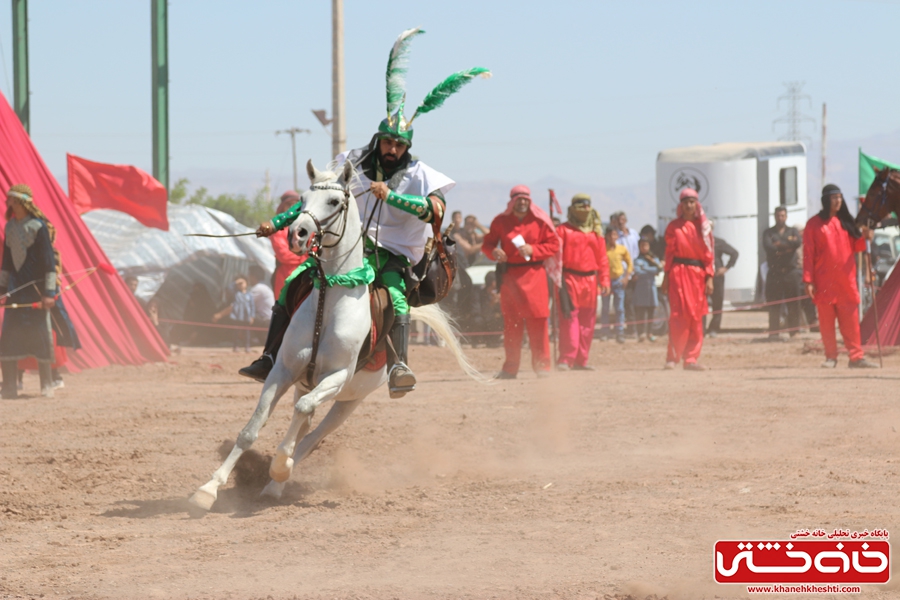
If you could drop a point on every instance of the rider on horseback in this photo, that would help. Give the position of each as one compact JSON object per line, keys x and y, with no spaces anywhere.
{"x":398,"y":196}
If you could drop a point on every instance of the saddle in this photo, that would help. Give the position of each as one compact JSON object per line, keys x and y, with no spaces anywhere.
{"x":377,"y":346}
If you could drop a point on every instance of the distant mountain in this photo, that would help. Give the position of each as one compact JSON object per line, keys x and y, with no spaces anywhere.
{"x":487,"y":198}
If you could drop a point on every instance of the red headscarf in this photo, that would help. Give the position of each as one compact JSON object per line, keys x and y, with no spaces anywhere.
{"x":553,"y":265}
{"x":705,"y":225}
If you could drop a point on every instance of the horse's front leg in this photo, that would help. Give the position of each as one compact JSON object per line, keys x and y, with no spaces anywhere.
{"x":339,"y":412}
{"x":276,"y":385}
{"x":282,"y":463}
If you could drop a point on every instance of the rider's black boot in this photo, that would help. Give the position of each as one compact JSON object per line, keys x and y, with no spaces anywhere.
{"x":260,"y":368}
{"x":401,"y":378}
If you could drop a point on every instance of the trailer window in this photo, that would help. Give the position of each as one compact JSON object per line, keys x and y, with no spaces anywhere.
{"x":788,"y":185}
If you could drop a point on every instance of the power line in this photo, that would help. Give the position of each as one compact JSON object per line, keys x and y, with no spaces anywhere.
{"x":794,"y":119}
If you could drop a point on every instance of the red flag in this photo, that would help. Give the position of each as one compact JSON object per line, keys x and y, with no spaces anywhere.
{"x":119,"y":187}
{"x":554,"y":203}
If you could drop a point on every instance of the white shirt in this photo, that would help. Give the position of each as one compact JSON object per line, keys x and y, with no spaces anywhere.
{"x":395,"y":230}
{"x":263,"y":301}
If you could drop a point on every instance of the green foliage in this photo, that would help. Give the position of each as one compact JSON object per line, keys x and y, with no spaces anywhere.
{"x":247,"y":211}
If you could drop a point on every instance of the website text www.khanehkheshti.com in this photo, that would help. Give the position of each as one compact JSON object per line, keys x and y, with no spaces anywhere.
{"x":805,"y":588}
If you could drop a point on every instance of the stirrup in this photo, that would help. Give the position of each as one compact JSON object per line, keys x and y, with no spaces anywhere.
{"x":401,"y":380}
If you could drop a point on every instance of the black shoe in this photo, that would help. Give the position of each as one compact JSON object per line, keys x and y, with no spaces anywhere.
{"x":401,"y":379}
{"x":261,"y":367}
{"x":862,"y":364}
{"x":505,"y":375}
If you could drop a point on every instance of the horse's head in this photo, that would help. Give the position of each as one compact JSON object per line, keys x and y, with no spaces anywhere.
{"x":882,"y":198}
{"x":328,"y":210}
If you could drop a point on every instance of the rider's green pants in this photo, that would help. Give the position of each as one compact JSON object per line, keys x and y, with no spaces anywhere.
{"x":389,"y":270}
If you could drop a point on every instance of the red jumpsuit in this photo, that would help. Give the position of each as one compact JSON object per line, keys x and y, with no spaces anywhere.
{"x":524,"y":294}
{"x":285,"y":260}
{"x":687,"y":289}
{"x":585,"y":269}
{"x":830,"y":265}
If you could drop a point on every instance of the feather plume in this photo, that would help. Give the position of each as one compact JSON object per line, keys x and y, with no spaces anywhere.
{"x":448,"y":87}
{"x":396,"y":69}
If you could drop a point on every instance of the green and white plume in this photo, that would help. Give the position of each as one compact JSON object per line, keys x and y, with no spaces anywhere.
{"x":395,"y":125}
{"x":395,"y":76}
{"x":446,"y":88}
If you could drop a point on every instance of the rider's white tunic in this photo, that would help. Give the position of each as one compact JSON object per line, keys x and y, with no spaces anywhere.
{"x":393,"y":229}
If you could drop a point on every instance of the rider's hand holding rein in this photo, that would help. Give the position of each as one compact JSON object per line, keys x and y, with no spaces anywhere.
{"x":379,"y":189}
{"x":265,"y":230}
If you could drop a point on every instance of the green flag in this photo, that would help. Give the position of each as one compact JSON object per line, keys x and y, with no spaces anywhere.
{"x":867,"y":166}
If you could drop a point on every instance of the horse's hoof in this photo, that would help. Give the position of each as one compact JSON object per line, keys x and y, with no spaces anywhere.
{"x":273,"y":490}
{"x":281,"y":468}
{"x":202,"y":499}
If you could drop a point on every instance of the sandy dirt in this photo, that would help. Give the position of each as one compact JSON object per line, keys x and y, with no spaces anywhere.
{"x":604,"y":484}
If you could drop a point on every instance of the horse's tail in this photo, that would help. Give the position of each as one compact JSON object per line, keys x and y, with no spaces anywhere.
{"x":446,"y":330}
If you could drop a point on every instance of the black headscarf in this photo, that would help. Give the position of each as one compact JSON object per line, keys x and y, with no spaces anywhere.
{"x":843,"y":214}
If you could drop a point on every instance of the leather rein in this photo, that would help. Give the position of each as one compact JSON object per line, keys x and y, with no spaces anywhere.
{"x":315,"y":250}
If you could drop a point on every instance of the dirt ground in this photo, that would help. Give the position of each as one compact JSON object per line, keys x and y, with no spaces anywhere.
{"x":604,"y":484}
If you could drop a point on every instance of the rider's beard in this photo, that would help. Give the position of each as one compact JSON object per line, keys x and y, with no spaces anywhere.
{"x":388,"y":162}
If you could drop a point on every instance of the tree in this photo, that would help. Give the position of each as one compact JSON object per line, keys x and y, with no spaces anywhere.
{"x":249,"y":212}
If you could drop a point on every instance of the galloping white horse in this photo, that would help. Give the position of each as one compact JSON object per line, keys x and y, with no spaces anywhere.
{"x":330,"y":218}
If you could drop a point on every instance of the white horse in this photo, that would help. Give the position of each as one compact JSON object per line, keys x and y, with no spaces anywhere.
{"x":329,"y":212}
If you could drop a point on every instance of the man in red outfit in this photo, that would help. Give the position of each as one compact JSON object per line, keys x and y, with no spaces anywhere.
{"x":830,"y":241}
{"x":523,"y":241}
{"x":585,"y":272}
{"x":688,"y":280}
{"x":285,"y":260}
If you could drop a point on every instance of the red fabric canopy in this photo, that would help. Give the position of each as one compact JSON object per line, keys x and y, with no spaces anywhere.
{"x":119,"y":187}
{"x":888,"y":301}
{"x":111,"y":324}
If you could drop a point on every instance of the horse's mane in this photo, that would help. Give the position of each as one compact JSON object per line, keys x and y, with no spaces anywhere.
{"x":333,"y":170}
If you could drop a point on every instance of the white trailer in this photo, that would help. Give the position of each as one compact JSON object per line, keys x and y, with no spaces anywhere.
{"x":739,"y":186}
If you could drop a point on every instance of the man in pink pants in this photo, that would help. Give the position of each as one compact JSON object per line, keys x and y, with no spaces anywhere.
{"x":585,"y":273}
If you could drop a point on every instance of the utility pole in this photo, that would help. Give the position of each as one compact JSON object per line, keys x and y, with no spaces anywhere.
{"x":159,"y":65}
{"x":338,"y":126}
{"x":293,"y":131}
{"x":794,"y":119}
{"x":824,"y":140}
{"x":21,"y":92}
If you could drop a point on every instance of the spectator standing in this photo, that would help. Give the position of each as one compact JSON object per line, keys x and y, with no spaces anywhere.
{"x":585,"y":273}
{"x":657,"y":244}
{"x":689,"y":273}
{"x":830,"y":241}
{"x":263,"y":296}
{"x":721,"y":248}
{"x":285,"y":260}
{"x":628,"y":238}
{"x":241,"y":311}
{"x":620,"y":271}
{"x":784,"y":279}
{"x":646,"y":267}
{"x":523,"y":241}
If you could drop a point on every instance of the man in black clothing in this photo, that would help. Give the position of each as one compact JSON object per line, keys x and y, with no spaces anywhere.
{"x":718,"y":296}
{"x":784,"y":279}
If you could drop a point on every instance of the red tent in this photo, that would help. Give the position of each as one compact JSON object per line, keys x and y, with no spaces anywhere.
{"x":888,"y":301}
{"x":110,"y":323}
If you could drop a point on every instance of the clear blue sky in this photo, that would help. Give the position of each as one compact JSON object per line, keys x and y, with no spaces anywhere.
{"x":587,"y":91}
